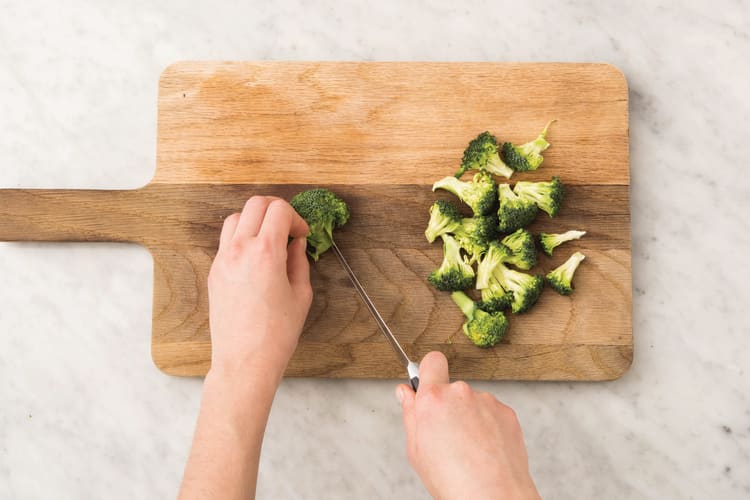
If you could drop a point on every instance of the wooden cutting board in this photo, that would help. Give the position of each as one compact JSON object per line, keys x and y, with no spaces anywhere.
{"x":379,"y":134}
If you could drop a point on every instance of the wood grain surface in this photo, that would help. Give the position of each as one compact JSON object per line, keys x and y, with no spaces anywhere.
{"x":378,"y":134}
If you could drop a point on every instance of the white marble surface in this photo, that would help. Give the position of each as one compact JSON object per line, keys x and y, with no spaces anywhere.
{"x":83,"y":412}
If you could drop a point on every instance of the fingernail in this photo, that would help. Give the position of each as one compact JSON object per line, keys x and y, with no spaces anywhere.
{"x":400,"y":394}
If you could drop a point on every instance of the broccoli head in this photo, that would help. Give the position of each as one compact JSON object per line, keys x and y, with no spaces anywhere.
{"x":484,"y":329}
{"x":444,"y":218}
{"x":474,"y":234}
{"x":526,"y":156}
{"x":561,"y":277}
{"x":526,"y":288}
{"x":482,"y":154}
{"x":550,"y":241}
{"x":323,"y":211}
{"x":522,"y":249}
{"x":480,"y":194}
{"x":454,"y":272}
{"x":548,"y":196}
{"x":514,"y":212}
{"x":495,"y":298}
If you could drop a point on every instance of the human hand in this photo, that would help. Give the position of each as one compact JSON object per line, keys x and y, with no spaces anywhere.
{"x":463,"y":443}
{"x":259,"y":289}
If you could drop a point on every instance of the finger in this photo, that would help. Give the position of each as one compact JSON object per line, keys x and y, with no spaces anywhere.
{"x":297,"y":265}
{"x":281,"y":221}
{"x":433,"y":369}
{"x":405,"y":395}
{"x":252,"y":217}
{"x":228,"y":229}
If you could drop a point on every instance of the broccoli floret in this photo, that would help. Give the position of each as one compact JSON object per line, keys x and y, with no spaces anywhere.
{"x":454,"y":273}
{"x":522,"y":249}
{"x":514,"y":212}
{"x":526,"y":288}
{"x":550,"y":241}
{"x":495,"y":297}
{"x":560,"y":278}
{"x":482,"y":154}
{"x":322,"y":210}
{"x":526,"y":156}
{"x":547,"y":195}
{"x":484,"y":329}
{"x":474,"y":234}
{"x":480,"y":194}
{"x":444,"y":218}
{"x":494,"y":256}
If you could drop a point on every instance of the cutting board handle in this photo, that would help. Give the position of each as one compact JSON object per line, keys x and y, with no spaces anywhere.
{"x":67,"y":215}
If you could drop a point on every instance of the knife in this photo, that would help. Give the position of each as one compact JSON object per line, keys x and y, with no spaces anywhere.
{"x":412,"y":368}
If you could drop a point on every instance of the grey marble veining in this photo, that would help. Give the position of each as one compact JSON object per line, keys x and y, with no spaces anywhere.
{"x":83,"y":412}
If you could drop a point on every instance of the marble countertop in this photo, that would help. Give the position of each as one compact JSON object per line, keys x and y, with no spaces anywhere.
{"x":85,"y":414}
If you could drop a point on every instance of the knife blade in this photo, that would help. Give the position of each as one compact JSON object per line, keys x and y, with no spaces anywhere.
{"x":412,"y":368}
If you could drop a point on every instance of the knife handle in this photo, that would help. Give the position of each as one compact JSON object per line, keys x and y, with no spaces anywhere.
{"x":413,"y":369}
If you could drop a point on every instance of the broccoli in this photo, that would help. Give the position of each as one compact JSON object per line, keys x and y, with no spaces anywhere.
{"x":495,"y":297}
{"x":322,"y":210}
{"x":454,"y":273}
{"x":482,"y":154}
{"x":526,"y":288}
{"x":550,"y":241}
{"x":547,"y":195}
{"x":480,"y":194}
{"x":514,"y":212}
{"x":560,"y":278}
{"x":474,"y":234}
{"x":483,"y":329}
{"x":526,"y":156}
{"x":494,"y":256}
{"x":444,"y":218}
{"x":522,"y":249}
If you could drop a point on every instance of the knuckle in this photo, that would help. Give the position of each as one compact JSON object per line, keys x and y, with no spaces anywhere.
{"x":462,"y":388}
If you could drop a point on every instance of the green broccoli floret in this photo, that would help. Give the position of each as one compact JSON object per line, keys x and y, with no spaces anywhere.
{"x":495,"y":297}
{"x":480,"y":194}
{"x":322,"y":210}
{"x":550,"y":241}
{"x":482,"y":154}
{"x":454,"y":272}
{"x":547,"y":195}
{"x":444,"y":218}
{"x":483,"y":329}
{"x":561,"y":277}
{"x":494,"y":256}
{"x":526,"y":156}
{"x":526,"y":288}
{"x":474,"y":234}
{"x":514,"y":212}
{"x":522,"y":249}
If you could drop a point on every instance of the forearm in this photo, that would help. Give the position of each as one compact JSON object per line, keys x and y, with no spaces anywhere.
{"x":224,"y":458}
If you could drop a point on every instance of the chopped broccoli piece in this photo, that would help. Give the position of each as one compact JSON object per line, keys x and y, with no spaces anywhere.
{"x":495,"y":256}
{"x":514,"y":212}
{"x":484,"y":329}
{"x":547,"y":195}
{"x":474,"y":234}
{"x":526,"y":156}
{"x":526,"y":288}
{"x":480,"y":194}
{"x":322,"y":210}
{"x":444,"y":218}
{"x":522,"y":249}
{"x":482,"y":154}
{"x":454,"y":273}
{"x":495,"y":297}
{"x":550,"y":241}
{"x":561,"y":277}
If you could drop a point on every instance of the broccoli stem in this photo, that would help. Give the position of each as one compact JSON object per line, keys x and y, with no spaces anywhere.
{"x":464,"y":303}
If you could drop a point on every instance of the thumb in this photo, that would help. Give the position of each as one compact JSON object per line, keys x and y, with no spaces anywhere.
{"x":433,"y":369}
{"x":405,"y":395}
